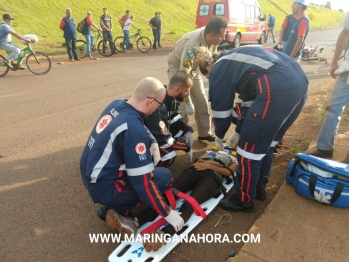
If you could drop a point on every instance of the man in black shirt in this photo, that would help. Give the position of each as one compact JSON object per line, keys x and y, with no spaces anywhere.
{"x":166,"y":124}
{"x":155,"y":23}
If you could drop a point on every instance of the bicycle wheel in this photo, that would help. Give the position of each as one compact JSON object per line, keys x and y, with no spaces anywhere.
{"x":38,"y":63}
{"x":3,"y":67}
{"x":106,"y":47}
{"x":81,"y":48}
{"x":119,"y":44}
{"x":144,"y":44}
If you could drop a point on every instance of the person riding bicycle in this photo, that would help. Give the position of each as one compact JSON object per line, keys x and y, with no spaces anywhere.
{"x":6,"y":30}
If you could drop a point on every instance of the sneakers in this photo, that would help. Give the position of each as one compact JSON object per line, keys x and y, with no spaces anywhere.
{"x":261,"y":194}
{"x":6,"y":62}
{"x":159,"y":45}
{"x":78,"y":59}
{"x":120,"y":224}
{"x":320,"y":153}
{"x":72,"y":60}
{"x":102,"y":212}
{"x":154,"y":246}
{"x":154,"y":47}
{"x":209,"y":138}
{"x":21,"y":67}
{"x":234,"y":204}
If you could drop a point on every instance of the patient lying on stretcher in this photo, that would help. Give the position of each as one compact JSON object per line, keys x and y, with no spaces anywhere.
{"x":203,"y":178}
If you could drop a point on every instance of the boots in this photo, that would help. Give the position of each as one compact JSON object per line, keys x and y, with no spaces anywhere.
{"x":261,"y":194}
{"x":234,"y":204}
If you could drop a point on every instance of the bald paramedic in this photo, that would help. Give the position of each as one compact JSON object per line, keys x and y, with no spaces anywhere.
{"x":116,"y":165}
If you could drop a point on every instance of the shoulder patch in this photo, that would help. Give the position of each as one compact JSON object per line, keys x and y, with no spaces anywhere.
{"x":190,"y":53}
{"x":103,"y":123}
{"x":140,"y":149}
{"x":187,"y":64}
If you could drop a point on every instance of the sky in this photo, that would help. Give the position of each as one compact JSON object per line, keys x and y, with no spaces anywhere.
{"x":335,"y":4}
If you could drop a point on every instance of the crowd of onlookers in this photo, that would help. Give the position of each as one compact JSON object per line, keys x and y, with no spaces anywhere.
{"x":106,"y":25}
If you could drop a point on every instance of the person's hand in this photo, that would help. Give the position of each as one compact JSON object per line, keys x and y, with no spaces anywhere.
{"x":170,"y":141}
{"x":189,"y":107}
{"x":189,"y":138}
{"x":27,"y":40}
{"x":334,"y":67}
{"x":233,"y":140}
{"x":199,"y":166}
{"x":175,"y":219}
{"x":155,"y":153}
{"x":214,"y":163}
{"x":219,"y":143}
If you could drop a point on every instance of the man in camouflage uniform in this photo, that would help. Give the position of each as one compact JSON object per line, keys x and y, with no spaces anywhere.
{"x":182,"y":56}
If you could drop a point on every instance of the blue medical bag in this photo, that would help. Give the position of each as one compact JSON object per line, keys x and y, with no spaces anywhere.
{"x":325,"y":181}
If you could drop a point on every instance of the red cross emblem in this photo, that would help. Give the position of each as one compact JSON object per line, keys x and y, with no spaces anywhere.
{"x":103,"y":123}
{"x":141,"y":149}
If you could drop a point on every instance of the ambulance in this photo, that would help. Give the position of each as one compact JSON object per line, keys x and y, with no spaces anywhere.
{"x":245,"y":19}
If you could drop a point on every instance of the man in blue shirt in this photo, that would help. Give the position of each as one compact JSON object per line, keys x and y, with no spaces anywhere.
{"x":67,"y":25}
{"x":271,"y":25}
{"x":116,"y":165}
{"x":6,"y":32}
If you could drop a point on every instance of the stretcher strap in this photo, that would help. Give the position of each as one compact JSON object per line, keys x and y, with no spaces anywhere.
{"x":169,"y":194}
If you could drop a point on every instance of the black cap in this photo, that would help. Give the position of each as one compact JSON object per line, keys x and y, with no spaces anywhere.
{"x":7,"y":16}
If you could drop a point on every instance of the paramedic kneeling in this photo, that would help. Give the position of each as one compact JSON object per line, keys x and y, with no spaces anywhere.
{"x":116,"y":165}
{"x":281,"y":90}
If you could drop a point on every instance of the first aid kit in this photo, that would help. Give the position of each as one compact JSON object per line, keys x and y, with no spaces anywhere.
{"x":325,"y":181}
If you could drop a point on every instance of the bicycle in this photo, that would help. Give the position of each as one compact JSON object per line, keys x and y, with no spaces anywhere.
{"x":105,"y":46}
{"x":37,"y":62}
{"x":143,"y":43}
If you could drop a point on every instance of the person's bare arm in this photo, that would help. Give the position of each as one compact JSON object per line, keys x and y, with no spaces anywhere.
{"x":93,"y":24}
{"x":297,"y":46}
{"x":14,"y":33}
{"x":342,"y":41}
{"x":103,"y":25}
{"x":217,"y":168}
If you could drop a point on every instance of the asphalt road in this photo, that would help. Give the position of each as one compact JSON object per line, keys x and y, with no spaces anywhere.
{"x":46,"y":213}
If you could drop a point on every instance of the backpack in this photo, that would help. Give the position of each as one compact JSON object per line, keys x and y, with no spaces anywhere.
{"x":325,"y":181}
{"x":80,"y":26}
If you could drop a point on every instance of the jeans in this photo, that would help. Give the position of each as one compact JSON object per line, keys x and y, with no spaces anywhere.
{"x":338,"y":100}
{"x":71,"y":48}
{"x":156,"y":35}
{"x":270,"y":30}
{"x":12,"y":48}
{"x":126,"y":39}
{"x":108,"y":35}
{"x":89,"y":43}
